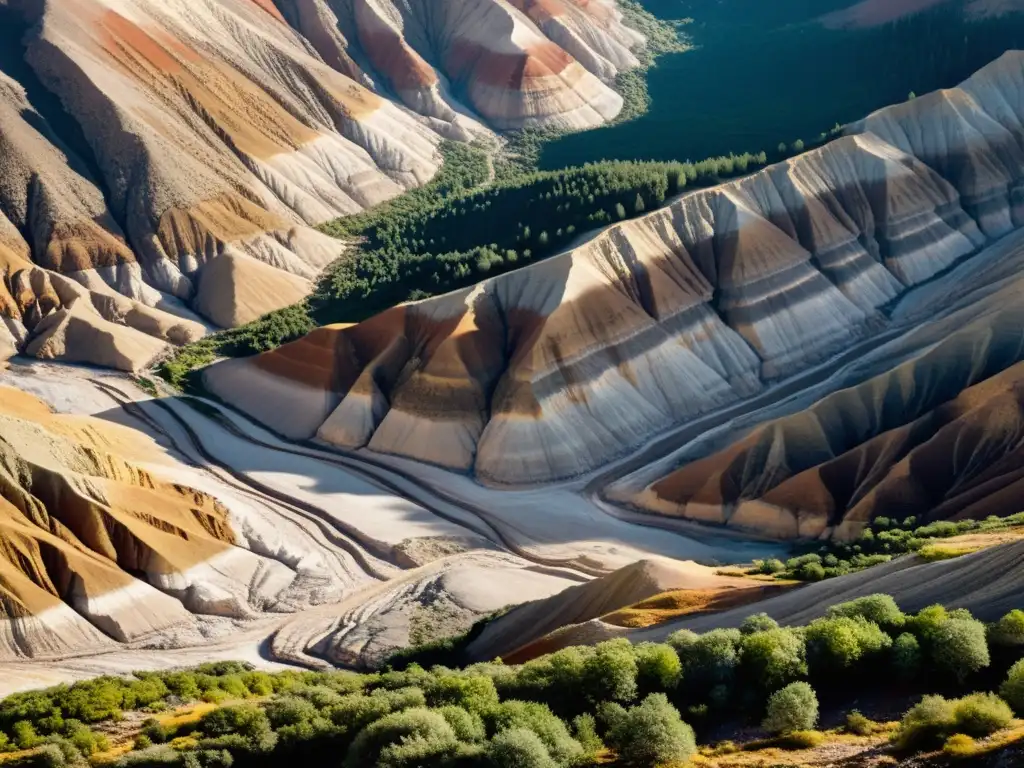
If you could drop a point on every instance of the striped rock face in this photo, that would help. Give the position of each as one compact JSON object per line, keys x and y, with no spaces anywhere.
{"x":172,"y":158}
{"x":557,"y":369}
{"x":98,"y":549}
{"x":516,"y":63}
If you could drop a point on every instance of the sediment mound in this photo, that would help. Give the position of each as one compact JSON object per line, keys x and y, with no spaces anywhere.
{"x":96,"y":548}
{"x":558,"y":368}
{"x":530,"y":621}
{"x":987,"y":583}
{"x":179,"y":154}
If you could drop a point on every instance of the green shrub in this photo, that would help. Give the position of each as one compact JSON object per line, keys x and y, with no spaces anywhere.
{"x":472,"y":693}
{"x":935,"y":719}
{"x":154,"y":731}
{"x":1012,"y":689}
{"x":410,"y":738}
{"x":652,"y":733}
{"x":712,"y":658}
{"x":142,"y":741}
{"x":858,"y":724}
{"x":800,"y":740}
{"x":584,"y":730}
{"x":769,"y":567}
{"x":468,"y":727}
{"x":878,"y":609}
{"x":981,"y":714}
{"x":906,"y":656}
{"x":959,"y":647}
{"x":249,"y":723}
{"x":841,"y":642}
{"x":160,"y":755}
{"x":25,"y":736}
{"x":772,"y":658}
{"x":289,"y":710}
{"x":759,"y":622}
{"x":926,"y":724}
{"x":682,"y":641}
{"x":1009,"y":630}
{"x":610,"y":673}
{"x":538,"y":718}
{"x":658,"y":666}
{"x":960,"y":745}
{"x":793,"y":708}
{"x":811,"y":572}
{"x":519,"y":748}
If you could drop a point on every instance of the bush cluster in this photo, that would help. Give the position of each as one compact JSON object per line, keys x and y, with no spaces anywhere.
{"x":557,"y":710}
{"x":882,"y":540}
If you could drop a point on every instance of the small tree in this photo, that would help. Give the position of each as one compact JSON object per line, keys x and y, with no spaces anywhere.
{"x":773,"y":658}
{"x":927,"y":723}
{"x":959,"y":647}
{"x":1012,"y":689}
{"x":405,"y":737}
{"x":981,"y":714}
{"x":712,"y":658}
{"x":610,"y":673}
{"x":658,"y":666}
{"x":880,"y":609}
{"x":906,"y":656}
{"x":652,"y":733}
{"x":1009,"y":630}
{"x":794,"y":708}
{"x":759,"y":622}
{"x":519,"y":748}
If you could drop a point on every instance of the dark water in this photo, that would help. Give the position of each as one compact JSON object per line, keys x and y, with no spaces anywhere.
{"x":765,"y":73}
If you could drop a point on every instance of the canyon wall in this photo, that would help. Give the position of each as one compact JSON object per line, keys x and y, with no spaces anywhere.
{"x":173,"y":158}
{"x":559,"y":368}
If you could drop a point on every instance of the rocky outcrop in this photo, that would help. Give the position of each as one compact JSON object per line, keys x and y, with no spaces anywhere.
{"x":96,"y":550}
{"x":556,"y":369}
{"x":179,"y":154}
{"x":937,"y":438}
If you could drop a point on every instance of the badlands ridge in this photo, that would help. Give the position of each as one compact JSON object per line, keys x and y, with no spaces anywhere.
{"x":557,"y":369}
{"x":163,"y":164}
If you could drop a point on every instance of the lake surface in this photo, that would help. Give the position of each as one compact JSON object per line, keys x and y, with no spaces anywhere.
{"x":765,"y":72}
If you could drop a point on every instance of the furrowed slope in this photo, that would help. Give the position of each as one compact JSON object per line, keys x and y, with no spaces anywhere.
{"x":561,"y":367}
{"x":97,"y":549}
{"x":521,"y":63}
{"x":175,"y":156}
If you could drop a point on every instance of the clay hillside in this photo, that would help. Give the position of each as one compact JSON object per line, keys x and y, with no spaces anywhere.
{"x":163,"y":164}
{"x":901,"y":229}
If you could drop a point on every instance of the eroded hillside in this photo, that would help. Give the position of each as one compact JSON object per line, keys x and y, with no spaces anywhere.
{"x":562,"y":367}
{"x":173,"y":158}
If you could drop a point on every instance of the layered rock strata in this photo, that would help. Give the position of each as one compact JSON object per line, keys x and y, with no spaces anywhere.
{"x":98,"y":549}
{"x":515,"y":63}
{"x":937,"y":438}
{"x":556,"y":369}
{"x":177,"y":156}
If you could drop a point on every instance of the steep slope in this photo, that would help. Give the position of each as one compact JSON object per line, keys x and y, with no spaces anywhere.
{"x":987,"y":583}
{"x":940,"y":437}
{"x":178,"y":154}
{"x":561,"y":367}
{"x":516,"y":63}
{"x":94,"y":548}
{"x":532,"y":620}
